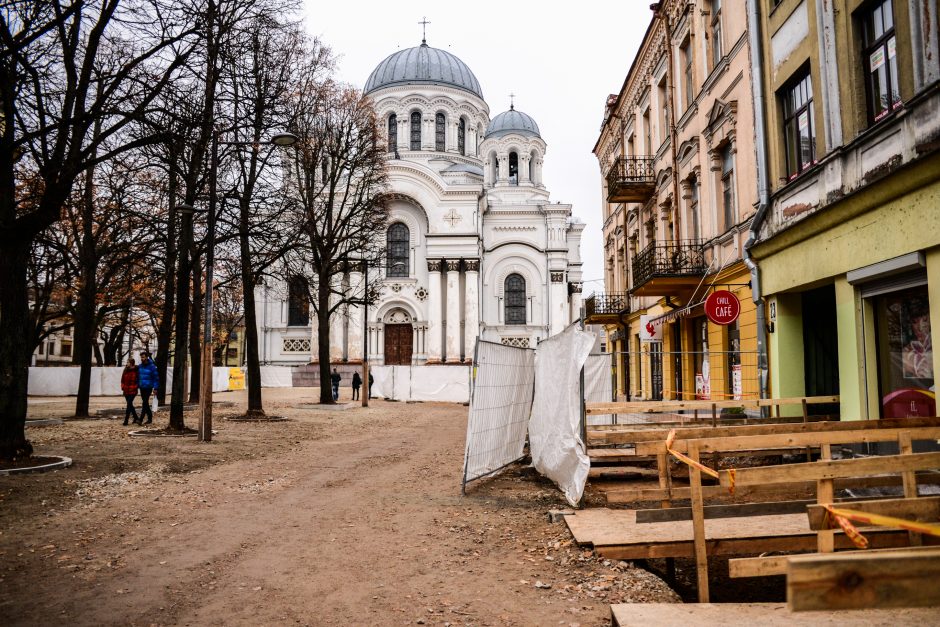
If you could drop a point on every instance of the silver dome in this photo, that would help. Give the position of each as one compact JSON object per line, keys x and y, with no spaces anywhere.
{"x":512,"y":121}
{"x":423,"y":65}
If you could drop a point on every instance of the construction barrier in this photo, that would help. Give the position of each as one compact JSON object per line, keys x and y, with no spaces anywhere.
{"x":500,"y":404}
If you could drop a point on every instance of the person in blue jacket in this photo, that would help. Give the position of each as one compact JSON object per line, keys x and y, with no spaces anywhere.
{"x":148,"y":380}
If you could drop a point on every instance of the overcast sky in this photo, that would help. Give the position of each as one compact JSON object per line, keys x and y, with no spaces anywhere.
{"x":560,"y":63}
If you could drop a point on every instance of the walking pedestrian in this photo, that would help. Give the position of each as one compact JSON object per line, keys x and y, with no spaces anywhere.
{"x":148,"y":380}
{"x":335,"y":379}
{"x":129,"y":389}
{"x":371,"y":379}
{"x":357,"y":383}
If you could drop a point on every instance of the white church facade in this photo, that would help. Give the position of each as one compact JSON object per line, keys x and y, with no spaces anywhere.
{"x":474,"y":247}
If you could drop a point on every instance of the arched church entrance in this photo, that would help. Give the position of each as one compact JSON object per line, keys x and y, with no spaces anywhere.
{"x":399,"y":338}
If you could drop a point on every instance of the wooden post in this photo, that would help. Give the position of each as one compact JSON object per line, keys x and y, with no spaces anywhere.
{"x":809,"y":450}
{"x":665,"y":481}
{"x":825,"y":539}
{"x":714,"y":415}
{"x":909,"y":479}
{"x":698,"y":526}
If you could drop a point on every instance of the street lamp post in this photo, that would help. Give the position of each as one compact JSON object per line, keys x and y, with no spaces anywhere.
{"x":205,"y":420}
{"x":365,"y":332}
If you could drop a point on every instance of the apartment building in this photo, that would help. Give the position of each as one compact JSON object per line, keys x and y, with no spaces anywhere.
{"x":677,"y":157}
{"x":849,"y":247}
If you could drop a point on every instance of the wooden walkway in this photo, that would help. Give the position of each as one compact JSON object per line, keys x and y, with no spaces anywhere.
{"x":764,"y":614}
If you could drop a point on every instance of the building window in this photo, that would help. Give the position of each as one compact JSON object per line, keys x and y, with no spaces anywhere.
{"x":513,"y":168}
{"x":879,"y":58}
{"x":515,"y":299}
{"x":693,"y":209}
{"x":439,"y":131}
{"x":462,"y":137}
{"x":687,"y":84}
{"x":298,"y":302}
{"x":727,"y":186}
{"x":661,"y":114}
{"x":416,"y":130}
{"x":648,"y":131}
{"x":393,"y":133}
{"x":717,"y":50}
{"x":65,"y":349}
{"x":799,"y":128}
{"x":399,"y":240}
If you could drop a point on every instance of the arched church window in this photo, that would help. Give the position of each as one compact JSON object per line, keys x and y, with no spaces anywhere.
{"x":398,"y":240}
{"x":416,"y":130}
{"x":514,"y":299}
{"x":513,"y":168}
{"x":393,"y":133}
{"x":532,"y":159}
{"x":495,"y":161}
{"x":298,"y":302}
{"x":462,"y":136}
{"x":439,"y":126}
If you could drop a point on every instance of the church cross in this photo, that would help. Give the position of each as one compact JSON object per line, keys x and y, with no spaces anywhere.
{"x":512,"y":104}
{"x":453,"y":217}
{"x":424,"y":27}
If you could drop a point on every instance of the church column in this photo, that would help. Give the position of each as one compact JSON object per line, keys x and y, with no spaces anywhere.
{"x":471,"y":305}
{"x":404,"y":139}
{"x":379,"y":344}
{"x":354,"y":331}
{"x":453,"y":311}
{"x":575,"y":290}
{"x":435,"y":319}
{"x":427,"y":133}
{"x":524,"y":168}
{"x":503,"y":170}
{"x":559,"y":300}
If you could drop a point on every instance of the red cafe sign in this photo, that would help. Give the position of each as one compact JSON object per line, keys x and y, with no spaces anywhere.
{"x":722,"y":307}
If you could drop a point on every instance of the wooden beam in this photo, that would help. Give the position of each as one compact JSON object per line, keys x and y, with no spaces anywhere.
{"x":777,"y":564}
{"x":923,"y":509}
{"x":863,"y":580}
{"x":698,"y":528}
{"x":834,"y":469}
{"x":642,"y":407}
{"x":729,"y":444}
{"x":723,"y":511}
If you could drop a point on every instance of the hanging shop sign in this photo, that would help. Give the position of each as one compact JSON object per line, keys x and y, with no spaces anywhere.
{"x":651,"y":329}
{"x":722,"y":307}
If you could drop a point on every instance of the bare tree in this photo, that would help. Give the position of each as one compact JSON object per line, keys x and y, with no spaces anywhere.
{"x":339,"y":176}
{"x":65,"y":67}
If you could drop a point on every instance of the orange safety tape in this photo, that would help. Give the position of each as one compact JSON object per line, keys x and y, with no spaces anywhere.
{"x":932,"y":529}
{"x":688,"y":460}
{"x":860,"y":541}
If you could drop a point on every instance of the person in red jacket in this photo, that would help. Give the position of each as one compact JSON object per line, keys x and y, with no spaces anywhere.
{"x":129,"y":388}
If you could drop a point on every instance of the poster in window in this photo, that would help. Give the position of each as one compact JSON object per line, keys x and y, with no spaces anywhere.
{"x":892,"y":48}
{"x":877,"y":59}
{"x":803,"y":121}
{"x":917,"y":352}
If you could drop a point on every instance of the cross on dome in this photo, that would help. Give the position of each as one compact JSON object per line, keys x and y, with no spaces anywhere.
{"x":424,"y":27}
{"x":512,"y":104}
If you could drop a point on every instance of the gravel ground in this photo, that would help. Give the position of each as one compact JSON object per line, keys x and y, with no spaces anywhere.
{"x":332,"y":518}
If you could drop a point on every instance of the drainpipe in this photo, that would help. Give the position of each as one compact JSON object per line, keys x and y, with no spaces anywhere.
{"x":763,"y":189}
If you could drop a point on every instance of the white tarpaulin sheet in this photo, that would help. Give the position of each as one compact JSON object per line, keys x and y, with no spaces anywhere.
{"x":597,"y":385}
{"x":276,"y":377}
{"x":106,"y":381}
{"x":555,"y":426}
{"x":422,"y":383}
{"x":499,"y":408}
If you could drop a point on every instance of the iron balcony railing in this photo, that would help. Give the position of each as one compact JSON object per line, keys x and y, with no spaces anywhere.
{"x":631,"y":179}
{"x":600,"y":304}
{"x":668,"y":259}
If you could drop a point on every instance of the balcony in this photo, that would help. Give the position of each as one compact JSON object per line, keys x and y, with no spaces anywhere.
{"x":668,"y":268}
{"x":631,"y":179}
{"x":605,"y":308}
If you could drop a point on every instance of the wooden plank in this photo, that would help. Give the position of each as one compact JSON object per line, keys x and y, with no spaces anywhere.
{"x":839,"y":468}
{"x":620,"y":472}
{"x":698,"y":527}
{"x":729,"y":444}
{"x":632,"y":435}
{"x":863,"y":580}
{"x":640,"y":407}
{"x":619,"y":495}
{"x":825,"y":538}
{"x":764,"y":614}
{"x":777,"y":564}
{"x":923,"y":509}
{"x":737,"y":510}
{"x":905,"y":447}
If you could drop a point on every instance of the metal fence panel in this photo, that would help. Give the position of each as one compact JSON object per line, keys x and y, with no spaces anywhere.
{"x":500,"y":404}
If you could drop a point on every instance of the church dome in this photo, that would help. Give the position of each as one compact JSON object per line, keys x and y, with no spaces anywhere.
{"x":512,"y":121}
{"x":423,"y":65}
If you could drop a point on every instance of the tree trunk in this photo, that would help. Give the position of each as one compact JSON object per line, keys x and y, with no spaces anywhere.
{"x":177,"y":421}
{"x":165,"y":330}
{"x":14,"y":350}
{"x":323,"y":339}
{"x":85,"y":329}
{"x":253,"y":361}
{"x":195,"y":338}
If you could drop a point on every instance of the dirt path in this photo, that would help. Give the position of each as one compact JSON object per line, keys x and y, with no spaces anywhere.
{"x":334,"y":518}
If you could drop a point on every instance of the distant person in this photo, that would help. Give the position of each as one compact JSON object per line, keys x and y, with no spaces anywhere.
{"x":356,"y":383}
{"x":129,"y":389}
{"x":371,"y":379}
{"x":148,"y":380}
{"x":335,"y":379}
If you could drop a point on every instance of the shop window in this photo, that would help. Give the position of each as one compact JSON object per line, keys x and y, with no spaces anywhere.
{"x":879,"y":58}
{"x":904,"y":353}
{"x":700,"y":357}
{"x":799,"y":128}
{"x":735,"y":381}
